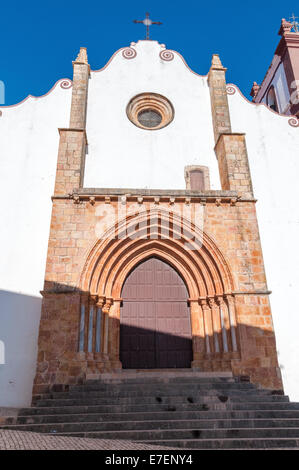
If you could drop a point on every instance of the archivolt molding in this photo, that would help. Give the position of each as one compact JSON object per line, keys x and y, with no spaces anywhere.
{"x":112,"y":258}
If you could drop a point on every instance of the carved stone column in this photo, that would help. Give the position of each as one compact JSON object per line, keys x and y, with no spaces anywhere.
{"x":106,"y":326}
{"x":82,"y":340}
{"x":208,"y":329}
{"x":225,"y":325}
{"x":198,"y":333}
{"x":91,"y":329}
{"x":99,"y":335}
{"x":114,"y":333}
{"x":216,"y":324}
{"x":233,"y":321}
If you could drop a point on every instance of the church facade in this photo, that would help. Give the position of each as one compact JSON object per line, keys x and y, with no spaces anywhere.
{"x":155,"y":257}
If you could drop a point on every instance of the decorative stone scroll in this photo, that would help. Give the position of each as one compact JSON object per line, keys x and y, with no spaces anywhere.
{"x":294,"y":122}
{"x":65,"y":84}
{"x":230,"y":90}
{"x":166,"y":55}
{"x":129,"y":53}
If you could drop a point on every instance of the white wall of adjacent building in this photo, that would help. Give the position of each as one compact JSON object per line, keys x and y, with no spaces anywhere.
{"x":28,"y":157}
{"x":273,"y":157}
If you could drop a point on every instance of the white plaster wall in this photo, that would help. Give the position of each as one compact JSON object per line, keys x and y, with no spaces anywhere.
{"x":19,"y":322}
{"x":122,"y":155}
{"x":28,"y":156}
{"x":273,"y":156}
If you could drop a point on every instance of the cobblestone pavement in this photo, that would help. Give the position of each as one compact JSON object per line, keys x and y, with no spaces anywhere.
{"x":20,"y":440}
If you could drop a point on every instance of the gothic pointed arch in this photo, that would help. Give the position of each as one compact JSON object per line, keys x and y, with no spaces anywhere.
{"x":162,"y":234}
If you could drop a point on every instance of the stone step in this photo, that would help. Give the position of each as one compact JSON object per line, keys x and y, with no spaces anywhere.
{"x":158,"y":416}
{"x":181,"y":434}
{"x":173,"y":408}
{"x":173,"y":375}
{"x":188,"y":398}
{"x":152,"y":425}
{"x":150,"y":400}
{"x":117,"y":394}
{"x":107,"y":388}
{"x":228,"y":444}
{"x":161,"y":407}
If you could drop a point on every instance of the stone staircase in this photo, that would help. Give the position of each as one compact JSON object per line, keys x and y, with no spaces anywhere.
{"x":181,"y":409}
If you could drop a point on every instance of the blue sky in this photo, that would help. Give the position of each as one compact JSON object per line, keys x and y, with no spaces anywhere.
{"x":39,"y":40}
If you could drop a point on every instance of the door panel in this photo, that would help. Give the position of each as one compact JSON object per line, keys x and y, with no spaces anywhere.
{"x":155,"y":330}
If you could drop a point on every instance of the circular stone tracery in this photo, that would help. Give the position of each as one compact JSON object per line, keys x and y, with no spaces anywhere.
{"x":149,"y":118}
{"x":150,"y":111}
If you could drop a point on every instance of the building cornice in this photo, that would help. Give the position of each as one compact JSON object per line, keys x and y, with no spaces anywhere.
{"x":156,"y":196}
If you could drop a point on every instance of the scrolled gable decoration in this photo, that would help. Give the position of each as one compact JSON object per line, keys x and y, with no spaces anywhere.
{"x":294,"y":122}
{"x":66,"y":84}
{"x":167,"y":55}
{"x":230,"y":90}
{"x":129,"y":53}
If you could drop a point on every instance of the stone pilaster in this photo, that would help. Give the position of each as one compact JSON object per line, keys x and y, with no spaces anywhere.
{"x":73,"y":140}
{"x":233,"y":164}
{"x":81,"y":72}
{"x":219,"y":102}
{"x":230,"y":147}
{"x":71,"y":160}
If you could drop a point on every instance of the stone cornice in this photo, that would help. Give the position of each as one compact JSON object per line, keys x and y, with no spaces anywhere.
{"x":288,"y":40}
{"x":226,"y":295}
{"x":227,"y":133}
{"x":157,"y":196}
{"x":253,"y":292}
{"x":73,"y":129}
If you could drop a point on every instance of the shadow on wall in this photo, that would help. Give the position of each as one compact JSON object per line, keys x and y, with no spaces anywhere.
{"x":19,"y":324}
{"x":79,"y":337}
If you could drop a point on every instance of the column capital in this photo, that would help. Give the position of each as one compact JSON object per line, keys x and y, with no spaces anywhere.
{"x":219,"y":299}
{"x":107,"y":305}
{"x":203,"y":302}
{"x":212,"y":302}
{"x":101,"y":301}
{"x":93,"y":298}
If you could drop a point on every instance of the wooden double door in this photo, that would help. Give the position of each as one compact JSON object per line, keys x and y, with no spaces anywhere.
{"x":155,"y":327}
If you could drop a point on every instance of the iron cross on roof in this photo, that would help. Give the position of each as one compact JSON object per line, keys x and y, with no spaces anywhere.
{"x":147,"y":22}
{"x":295,"y":23}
